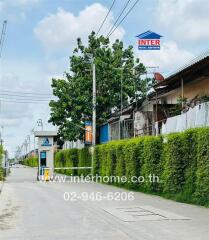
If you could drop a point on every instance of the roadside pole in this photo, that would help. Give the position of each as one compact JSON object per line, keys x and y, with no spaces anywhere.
{"x":93,"y":116}
{"x":34,"y":141}
{"x":28,"y":139}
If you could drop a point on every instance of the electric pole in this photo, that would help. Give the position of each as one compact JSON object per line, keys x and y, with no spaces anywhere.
{"x":94,"y":107}
{"x":28,"y":139}
{"x":93,"y":116}
{"x":34,"y":141}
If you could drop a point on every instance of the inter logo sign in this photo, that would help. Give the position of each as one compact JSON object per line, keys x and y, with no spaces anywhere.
{"x":46,"y":143}
{"x":149,"y":41}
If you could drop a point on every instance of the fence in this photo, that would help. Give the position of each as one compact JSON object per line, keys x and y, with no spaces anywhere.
{"x":121,"y":129}
{"x":197,"y":116}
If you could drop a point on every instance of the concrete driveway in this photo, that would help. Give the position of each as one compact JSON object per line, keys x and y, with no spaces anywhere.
{"x":32,"y":210}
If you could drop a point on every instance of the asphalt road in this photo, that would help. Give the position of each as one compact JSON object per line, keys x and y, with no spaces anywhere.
{"x":31,"y":210}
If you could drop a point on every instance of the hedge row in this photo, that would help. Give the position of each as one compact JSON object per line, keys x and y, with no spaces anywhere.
{"x":180,"y":160}
{"x":31,"y":161}
{"x":73,"y":158}
{"x":1,"y":158}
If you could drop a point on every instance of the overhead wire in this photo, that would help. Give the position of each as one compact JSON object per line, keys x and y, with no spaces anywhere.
{"x":123,"y":18}
{"x":104,"y":20}
{"x":26,"y":93}
{"x":28,"y":102}
{"x":21,"y":97}
{"x":121,"y":13}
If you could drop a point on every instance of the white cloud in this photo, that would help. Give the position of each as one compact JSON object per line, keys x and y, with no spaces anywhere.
{"x":9,"y":3}
{"x":26,"y":2}
{"x":169,"y":58}
{"x":24,"y":77}
{"x":1,"y":6}
{"x":60,"y":30}
{"x":186,"y":20}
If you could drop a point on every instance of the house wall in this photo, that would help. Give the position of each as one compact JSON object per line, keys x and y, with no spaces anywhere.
{"x":198,"y":87}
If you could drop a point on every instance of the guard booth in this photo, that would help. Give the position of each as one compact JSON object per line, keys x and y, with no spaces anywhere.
{"x":47,"y":144}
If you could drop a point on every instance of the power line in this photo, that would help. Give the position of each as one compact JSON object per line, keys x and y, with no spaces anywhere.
{"x":26,"y":93}
{"x":25,"y":97}
{"x":124,"y":17}
{"x":28,"y":102}
{"x":104,"y":20}
{"x":124,"y":8}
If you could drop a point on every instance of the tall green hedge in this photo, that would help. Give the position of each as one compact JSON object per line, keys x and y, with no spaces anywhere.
{"x":180,"y":162}
{"x":152,"y":164}
{"x":84,"y":160}
{"x":177,"y":164}
{"x":31,"y":161}
{"x":202,"y":174}
{"x":73,"y":158}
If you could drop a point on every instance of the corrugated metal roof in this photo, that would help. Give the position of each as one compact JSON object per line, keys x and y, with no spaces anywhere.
{"x":194,"y":61}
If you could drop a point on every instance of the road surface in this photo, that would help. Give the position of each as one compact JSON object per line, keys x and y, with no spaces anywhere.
{"x":30,"y":210}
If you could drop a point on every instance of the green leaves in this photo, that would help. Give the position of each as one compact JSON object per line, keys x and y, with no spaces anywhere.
{"x":114,"y":64}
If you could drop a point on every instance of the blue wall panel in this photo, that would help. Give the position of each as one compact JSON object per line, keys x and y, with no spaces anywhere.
{"x":104,"y":134}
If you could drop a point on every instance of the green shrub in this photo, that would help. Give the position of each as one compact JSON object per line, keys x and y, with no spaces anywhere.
{"x":59,"y":161}
{"x":151,"y":162}
{"x":202,"y":174}
{"x":120,"y":165}
{"x":175,"y":163}
{"x":103,"y":159}
{"x":1,"y":174}
{"x":132,"y":155}
{"x":97,"y":160}
{"x":190,"y":138}
{"x":180,"y":161}
{"x":84,"y":160}
{"x":111,"y":159}
{"x":31,"y":161}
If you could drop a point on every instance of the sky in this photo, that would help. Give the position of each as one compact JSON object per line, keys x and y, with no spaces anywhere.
{"x":41,"y":35}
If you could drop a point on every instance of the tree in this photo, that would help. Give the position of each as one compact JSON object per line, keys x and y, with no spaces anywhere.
{"x":74,"y":95}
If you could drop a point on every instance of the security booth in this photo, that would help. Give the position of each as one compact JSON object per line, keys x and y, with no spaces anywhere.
{"x":47,"y":144}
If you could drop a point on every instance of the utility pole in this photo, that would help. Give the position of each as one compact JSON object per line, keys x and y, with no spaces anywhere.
{"x":2,"y":38}
{"x":26,"y":148}
{"x":28,"y":139}
{"x":94,"y":107}
{"x":93,"y":116}
{"x":34,"y":141}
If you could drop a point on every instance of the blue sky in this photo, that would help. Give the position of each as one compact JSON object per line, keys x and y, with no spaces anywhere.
{"x":42,"y":33}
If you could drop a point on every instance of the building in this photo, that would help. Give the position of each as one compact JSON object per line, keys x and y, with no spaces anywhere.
{"x":178,"y":94}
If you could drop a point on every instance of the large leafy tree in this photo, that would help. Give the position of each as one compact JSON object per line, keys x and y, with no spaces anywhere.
{"x":74,"y":94}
